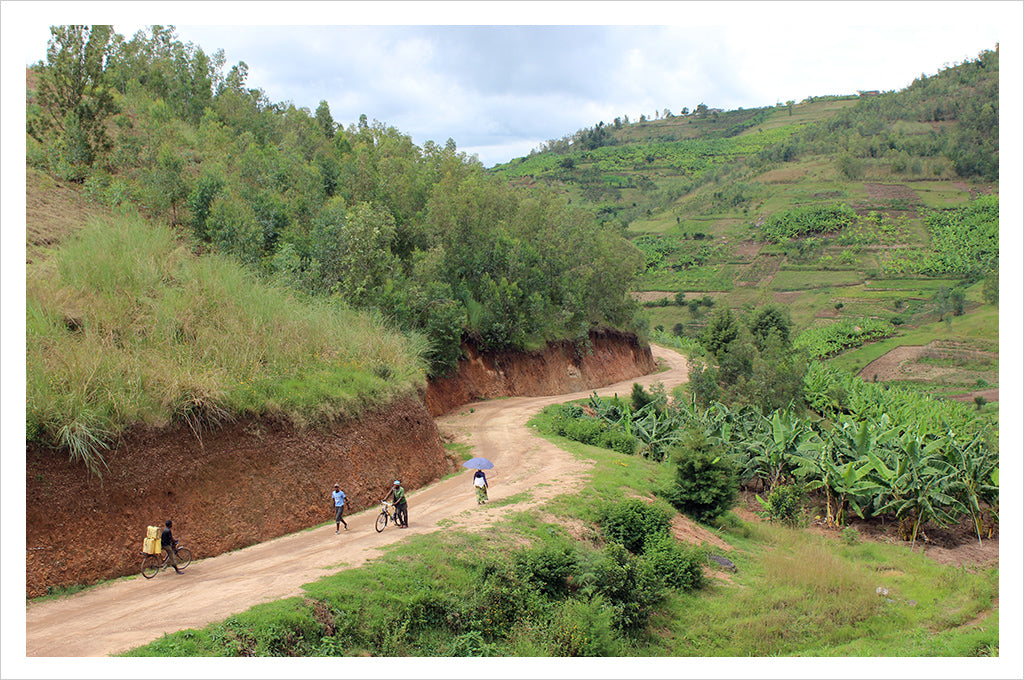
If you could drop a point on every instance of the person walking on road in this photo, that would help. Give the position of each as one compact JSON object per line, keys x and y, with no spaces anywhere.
{"x":339,"y":508}
{"x":397,"y":493}
{"x":167,"y":543}
{"x":480,"y":484}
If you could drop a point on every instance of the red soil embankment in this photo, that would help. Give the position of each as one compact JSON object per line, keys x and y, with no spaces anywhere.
{"x":253,"y":480}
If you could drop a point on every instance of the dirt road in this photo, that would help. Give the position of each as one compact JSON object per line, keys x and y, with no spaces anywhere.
{"x":123,"y":614}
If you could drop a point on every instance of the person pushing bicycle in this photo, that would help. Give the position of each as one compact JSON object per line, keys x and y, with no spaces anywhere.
{"x":168,"y":544}
{"x":397,"y":493}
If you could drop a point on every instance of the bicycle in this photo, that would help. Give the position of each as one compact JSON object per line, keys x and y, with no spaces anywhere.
{"x":384,"y":517}
{"x":152,"y":564}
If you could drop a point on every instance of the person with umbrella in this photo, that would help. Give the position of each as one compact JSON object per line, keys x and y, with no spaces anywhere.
{"x":480,"y":483}
{"x":479,"y":478}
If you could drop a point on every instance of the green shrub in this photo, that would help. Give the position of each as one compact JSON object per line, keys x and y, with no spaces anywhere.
{"x":618,"y":441}
{"x":678,"y":566}
{"x":705,"y":482}
{"x":502,"y":601}
{"x":628,"y":584}
{"x":850,"y":536}
{"x":428,"y":610}
{"x":783,"y":503}
{"x":470,"y":644}
{"x":632,"y":523}
{"x":582,"y":628}
{"x":548,"y":568}
{"x":639,"y":397}
{"x":585,"y":430}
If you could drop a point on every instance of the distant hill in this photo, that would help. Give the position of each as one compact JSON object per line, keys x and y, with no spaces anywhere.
{"x":832,"y":207}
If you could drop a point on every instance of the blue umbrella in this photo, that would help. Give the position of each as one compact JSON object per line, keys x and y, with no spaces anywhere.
{"x":478,"y":464}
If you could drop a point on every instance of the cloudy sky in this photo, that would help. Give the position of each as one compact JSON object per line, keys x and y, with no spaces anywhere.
{"x":501,"y":78}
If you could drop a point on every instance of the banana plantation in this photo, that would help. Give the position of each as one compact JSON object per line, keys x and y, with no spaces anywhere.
{"x":860,"y":450}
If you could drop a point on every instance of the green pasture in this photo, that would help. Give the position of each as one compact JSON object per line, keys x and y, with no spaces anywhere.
{"x":787,"y":280}
{"x":940,"y":194}
{"x":709,"y":278}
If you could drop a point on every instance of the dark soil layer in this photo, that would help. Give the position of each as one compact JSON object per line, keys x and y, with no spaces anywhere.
{"x":254,"y":480}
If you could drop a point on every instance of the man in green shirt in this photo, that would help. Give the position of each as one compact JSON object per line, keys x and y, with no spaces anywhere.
{"x":397,"y":493}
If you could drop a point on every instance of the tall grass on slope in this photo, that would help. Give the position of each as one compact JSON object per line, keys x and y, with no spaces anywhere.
{"x":126,"y":326}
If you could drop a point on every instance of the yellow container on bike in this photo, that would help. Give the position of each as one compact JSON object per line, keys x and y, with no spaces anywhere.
{"x":151,"y":543}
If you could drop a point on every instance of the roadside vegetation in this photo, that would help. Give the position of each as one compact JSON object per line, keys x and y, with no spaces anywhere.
{"x":601,"y":574}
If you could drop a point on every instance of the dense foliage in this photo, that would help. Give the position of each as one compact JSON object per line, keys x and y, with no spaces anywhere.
{"x":866,"y":449}
{"x":965,"y":95}
{"x":749,"y":358}
{"x":827,"y":340}
{"x":358,"y":214}
{"x":705,"y":483}
{"x":814,"y":219}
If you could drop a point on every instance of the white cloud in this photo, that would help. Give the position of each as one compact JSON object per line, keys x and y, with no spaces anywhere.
{"x":472,"y":74}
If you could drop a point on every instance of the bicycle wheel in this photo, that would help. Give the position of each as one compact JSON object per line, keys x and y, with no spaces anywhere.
{"x":151,"y":564}
{"x":184,"y":556}
{"x":382,"y":521}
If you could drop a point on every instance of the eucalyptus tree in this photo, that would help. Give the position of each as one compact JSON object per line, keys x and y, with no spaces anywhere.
{"x":74,"y":98}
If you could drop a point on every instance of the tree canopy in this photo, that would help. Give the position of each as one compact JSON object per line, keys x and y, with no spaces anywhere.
{"x":358,"y":214}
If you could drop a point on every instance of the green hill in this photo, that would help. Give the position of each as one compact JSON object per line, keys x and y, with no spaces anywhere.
{"x":876,"y":207}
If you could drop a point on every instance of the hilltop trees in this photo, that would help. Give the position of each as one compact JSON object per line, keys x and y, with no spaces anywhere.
{"x":74,"y":98}
{"x":356,"y":214}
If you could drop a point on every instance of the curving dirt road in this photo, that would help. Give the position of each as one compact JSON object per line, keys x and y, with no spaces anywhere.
{"x":127,"y":613}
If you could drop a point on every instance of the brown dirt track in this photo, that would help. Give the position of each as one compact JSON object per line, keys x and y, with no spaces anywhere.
{"x":119,"y":615}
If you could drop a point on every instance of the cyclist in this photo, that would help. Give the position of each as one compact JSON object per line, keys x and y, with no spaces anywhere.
{"x":168,"y":544}
{"x":397,"y":493}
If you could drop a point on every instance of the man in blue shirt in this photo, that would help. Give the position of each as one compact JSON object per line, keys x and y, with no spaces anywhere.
{"x":339,"y":507}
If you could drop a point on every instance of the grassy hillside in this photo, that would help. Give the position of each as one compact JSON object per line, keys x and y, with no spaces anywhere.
{"x":730,"y":207}
{"x":423,"y":235}
{"x":251,"y":257}
{"x":126,"y":326}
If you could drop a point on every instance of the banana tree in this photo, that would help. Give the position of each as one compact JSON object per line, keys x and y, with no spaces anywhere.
{"x":655,"y":431}
{"x":843,"y":481}
{"x":772,"y":453}
{"x":973,"y":464}
{"x":847,"y":464}
{"x":918,"y":486}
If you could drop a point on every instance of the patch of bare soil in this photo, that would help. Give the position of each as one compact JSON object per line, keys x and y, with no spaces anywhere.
{"x":904,"y":363}
{"x":787,"y":297}
{"x":685,"y":529}
{"x":889,"y":192}
{"x":975,"y":191}
{"x":747,"y":250}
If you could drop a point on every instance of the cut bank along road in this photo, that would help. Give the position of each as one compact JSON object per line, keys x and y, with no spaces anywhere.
{"x":123,"y":614}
